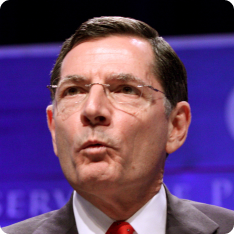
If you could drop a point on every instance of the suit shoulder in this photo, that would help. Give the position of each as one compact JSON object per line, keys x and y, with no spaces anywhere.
{"x":220,"y":215}
{"x":29,"y":225}
{"x":212,"y":209}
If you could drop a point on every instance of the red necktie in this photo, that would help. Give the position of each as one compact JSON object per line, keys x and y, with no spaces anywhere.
{"x":120,"y":227}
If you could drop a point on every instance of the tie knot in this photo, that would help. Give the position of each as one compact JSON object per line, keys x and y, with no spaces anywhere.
{"x":120,"y":227}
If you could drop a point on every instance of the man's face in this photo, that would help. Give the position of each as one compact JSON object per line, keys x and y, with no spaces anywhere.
{"x":101,"y":147}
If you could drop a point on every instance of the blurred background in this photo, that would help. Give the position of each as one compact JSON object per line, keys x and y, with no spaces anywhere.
{"x":31,"y":34}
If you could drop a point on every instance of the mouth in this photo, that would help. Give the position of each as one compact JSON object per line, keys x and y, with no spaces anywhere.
{"x":93,"y":144}
{"x":94,"y":150}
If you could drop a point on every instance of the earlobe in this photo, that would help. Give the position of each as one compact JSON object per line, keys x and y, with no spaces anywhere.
{"x":51,"y":125}
{"x":179,"y":122}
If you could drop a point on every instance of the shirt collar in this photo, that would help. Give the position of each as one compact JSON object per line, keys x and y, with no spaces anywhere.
{"x":151,"y":218}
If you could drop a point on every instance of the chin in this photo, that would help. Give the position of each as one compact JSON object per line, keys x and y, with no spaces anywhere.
{"x":93,"y":177}
{"x":96,"y":174}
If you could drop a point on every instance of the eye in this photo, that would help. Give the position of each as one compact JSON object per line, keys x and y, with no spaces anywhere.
{"x":128,"y":89}
{"x":73,"y":90}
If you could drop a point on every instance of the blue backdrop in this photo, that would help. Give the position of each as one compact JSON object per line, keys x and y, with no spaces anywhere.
{"x":31,"y":181}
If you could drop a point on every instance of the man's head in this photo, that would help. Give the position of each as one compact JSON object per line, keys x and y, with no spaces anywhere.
{"x":167,"y":66}
{"x":109,"y":129}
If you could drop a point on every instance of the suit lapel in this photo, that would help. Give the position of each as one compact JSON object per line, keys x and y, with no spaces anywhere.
{"x":62,"y":222}
{"x":184,"y":218}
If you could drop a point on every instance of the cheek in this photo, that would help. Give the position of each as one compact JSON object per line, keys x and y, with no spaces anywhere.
{"x":65,"y":143}
{"x":64,"y":135}
{"x":126,"y":126}
{"x":132,"y":130}
{"x":151,"y":136}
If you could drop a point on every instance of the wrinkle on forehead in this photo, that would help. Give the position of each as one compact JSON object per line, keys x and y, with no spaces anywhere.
{"x":105,"y":53}
{"x":117,"y":46}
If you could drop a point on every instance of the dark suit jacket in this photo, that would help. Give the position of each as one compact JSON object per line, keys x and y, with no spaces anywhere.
{"x":183,"y":217}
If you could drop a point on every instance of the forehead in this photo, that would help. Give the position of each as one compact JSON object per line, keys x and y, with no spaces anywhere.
{"x":102,"y":57}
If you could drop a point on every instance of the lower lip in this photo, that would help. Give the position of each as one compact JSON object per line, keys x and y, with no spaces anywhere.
{"x":95,"y":150}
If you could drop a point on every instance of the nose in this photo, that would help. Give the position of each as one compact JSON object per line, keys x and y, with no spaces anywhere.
{"x":97,"y":108}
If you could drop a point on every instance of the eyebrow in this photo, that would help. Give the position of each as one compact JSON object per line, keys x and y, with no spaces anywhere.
{"x":126,"y":77}
{"x":73,"y":78}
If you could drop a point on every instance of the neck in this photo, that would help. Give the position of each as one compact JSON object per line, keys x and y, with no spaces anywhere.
{"x":122,"y":205}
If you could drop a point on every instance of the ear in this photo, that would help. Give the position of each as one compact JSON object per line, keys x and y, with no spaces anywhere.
{"x":51,"y":126}
{"x":179,"y":122}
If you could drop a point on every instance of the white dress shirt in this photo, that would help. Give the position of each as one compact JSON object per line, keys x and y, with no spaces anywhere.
{"x":151,"y":218}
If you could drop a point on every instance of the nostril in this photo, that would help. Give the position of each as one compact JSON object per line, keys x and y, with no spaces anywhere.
{"x":86,"y":120}
{"x":101,"y":118}
{"x":95,"y":121}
